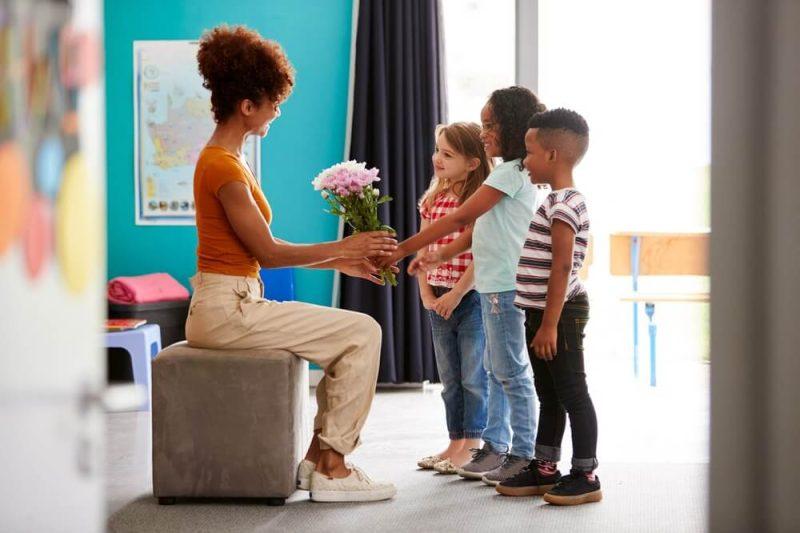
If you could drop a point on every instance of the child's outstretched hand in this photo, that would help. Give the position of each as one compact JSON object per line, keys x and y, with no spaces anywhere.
{"x":544,"y":343}
{"x":392,"y":259}
{"x":424,"y":262}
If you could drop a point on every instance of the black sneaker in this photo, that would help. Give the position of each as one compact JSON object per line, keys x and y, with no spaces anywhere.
{"x":575,"y":489}
{"x":528,"y":482}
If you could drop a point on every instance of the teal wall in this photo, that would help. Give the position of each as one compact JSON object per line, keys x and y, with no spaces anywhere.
{"x":308,"y":137}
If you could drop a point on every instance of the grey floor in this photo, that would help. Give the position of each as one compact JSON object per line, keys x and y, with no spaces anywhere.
{"x":653,"y":454}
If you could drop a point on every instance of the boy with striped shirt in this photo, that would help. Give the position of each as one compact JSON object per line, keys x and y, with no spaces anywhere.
{"x":556,"y":312}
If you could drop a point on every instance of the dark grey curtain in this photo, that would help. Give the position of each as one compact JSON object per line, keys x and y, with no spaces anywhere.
{"x":398,"y":100}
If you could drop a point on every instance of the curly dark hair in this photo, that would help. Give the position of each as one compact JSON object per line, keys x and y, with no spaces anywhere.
{"x":512,"y":107}
{"x":237,"y":64}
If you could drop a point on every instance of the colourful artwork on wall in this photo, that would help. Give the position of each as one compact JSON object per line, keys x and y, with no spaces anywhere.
{"x":14,"y":185}
{"x":49,"y":202}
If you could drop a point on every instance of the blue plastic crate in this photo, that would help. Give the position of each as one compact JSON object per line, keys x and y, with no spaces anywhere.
{"x":278,"y":284}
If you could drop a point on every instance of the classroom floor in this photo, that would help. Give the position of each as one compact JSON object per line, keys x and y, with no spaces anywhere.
{"x":653,"y":451}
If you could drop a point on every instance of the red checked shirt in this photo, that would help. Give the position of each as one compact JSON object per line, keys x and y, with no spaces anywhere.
{"x":447,"y":274}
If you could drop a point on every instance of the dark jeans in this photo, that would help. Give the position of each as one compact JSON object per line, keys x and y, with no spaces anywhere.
{"x":561,"y":387}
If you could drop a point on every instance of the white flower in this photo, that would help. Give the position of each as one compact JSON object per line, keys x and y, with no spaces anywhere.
{"x":376,"y":192}
{"x":351,"y":165}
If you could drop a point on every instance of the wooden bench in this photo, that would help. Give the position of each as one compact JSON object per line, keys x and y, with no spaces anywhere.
{"x":638,"y":254}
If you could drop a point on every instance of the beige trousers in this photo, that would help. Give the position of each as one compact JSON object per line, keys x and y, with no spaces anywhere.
{"x":229,"y":312}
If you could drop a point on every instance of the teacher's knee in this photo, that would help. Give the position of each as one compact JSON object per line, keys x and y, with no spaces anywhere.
{"x":367,"y":330}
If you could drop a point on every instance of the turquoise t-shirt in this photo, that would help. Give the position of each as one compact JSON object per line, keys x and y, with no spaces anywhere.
{"x":500,"y":232}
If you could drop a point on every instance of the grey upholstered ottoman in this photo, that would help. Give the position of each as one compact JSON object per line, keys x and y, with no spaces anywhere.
{"x":228,"y":423}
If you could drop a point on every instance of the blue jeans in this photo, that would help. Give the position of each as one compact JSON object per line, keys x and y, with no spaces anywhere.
{"x":459,"y":345}
{"x":511,"y":393}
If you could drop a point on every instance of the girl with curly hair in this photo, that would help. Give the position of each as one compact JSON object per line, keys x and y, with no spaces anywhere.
{"x":501,"y":210}
{"x":249,"y":78}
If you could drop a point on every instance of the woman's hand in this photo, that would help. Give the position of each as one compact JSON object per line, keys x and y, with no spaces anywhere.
{"x":544,"y":343}
{"x":447,"y":303}
{"x":425,"y":262}
{"x":363,"y":268}
{"x":368,"y":244}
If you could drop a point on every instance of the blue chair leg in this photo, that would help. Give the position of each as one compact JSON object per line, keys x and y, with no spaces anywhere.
{"x":141,"y":369}
{"x":635,"y":251}
{"x":142,"y":345}
{"x":635,"y":339}
{"x":137,"y":349}
{"x":650,"y":310}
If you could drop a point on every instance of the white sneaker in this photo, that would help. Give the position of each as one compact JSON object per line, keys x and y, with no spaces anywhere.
{"x":357,"y":487}
{"x":304,"y":470}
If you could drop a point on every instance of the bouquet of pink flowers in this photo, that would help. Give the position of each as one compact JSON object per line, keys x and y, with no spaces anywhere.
{"x":348,"y":188}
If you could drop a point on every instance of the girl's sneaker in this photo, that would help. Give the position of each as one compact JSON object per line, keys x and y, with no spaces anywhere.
{"x":575,"y":489}
{"x":427,"y":463}
{"x":528,"y":482}
{"x":512,"y":466}
{"x":446,"y":467}
{"x":483,"y":460}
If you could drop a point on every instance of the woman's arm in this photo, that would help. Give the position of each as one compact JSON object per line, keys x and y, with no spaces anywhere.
{"x":330,"y":264}
{"x":355,"y":268}
{"x":252,"y":229}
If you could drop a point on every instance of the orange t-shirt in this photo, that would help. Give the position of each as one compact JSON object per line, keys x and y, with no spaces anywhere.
{"x":219,"y":250}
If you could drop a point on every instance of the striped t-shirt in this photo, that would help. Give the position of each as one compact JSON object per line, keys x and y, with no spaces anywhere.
{"x":533,"y":271}
{"x":447,"y":274}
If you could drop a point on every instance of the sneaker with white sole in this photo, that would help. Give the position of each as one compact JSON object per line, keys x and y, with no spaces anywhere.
{"x":304,"y":470}
{"x":357,"y":487}
{"x":512,"y":466}
{"x":483,"y":460}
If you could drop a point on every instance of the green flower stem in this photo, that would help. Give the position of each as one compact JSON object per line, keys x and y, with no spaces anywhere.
{"x":360,"y":212}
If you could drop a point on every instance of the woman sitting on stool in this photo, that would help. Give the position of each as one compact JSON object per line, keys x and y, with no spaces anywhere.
{"x":249,"y":77}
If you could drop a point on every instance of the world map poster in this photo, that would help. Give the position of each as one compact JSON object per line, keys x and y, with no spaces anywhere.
{"x":172,"y":123}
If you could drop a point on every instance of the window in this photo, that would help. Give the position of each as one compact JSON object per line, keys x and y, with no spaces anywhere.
{"x":479,"y":53}
{"x":640,"y":73}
